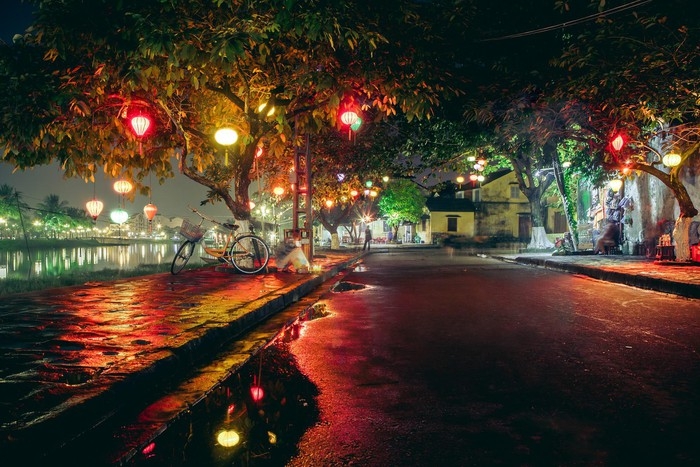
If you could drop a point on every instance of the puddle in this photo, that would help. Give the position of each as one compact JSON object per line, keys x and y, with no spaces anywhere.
{"x":255,"y":417}
{"x":345,"y":286}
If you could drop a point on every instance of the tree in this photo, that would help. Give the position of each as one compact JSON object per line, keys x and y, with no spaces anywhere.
{"x":52,"y":212}
{"x":401,"y":201}
{"x":639,"y":73}
{"x":71,"y":85}
{"x":11,"y":208}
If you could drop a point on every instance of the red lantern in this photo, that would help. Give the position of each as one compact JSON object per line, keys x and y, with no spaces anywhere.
{"x":257,"y":393}
{"x":150,"y":211}
{"x":140,"y":125}
{"x":94,"y":208}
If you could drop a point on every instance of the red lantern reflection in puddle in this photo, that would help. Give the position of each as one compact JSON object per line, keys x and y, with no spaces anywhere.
{"x":257,"y":393}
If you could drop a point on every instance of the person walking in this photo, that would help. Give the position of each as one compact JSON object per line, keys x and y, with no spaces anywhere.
{"x":368,"y":239}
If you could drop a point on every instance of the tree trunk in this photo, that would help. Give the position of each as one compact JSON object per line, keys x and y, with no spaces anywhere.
{"x":566,"y":203}
{"x":681,"y":230}
{"x":539,"y":240}
{"x":335,"y":241}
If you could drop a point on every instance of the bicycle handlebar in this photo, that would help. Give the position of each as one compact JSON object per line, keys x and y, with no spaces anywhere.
{"x":207,"y":218}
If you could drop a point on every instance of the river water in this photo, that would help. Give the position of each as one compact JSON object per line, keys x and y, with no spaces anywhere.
{"x":53,"y":262}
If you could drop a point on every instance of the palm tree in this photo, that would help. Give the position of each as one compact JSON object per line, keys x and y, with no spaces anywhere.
{"x":11,"y":206}
{"x":52,"y":212}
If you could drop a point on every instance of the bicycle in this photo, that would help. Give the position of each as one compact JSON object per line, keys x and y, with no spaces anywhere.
{"x":246,"y":252}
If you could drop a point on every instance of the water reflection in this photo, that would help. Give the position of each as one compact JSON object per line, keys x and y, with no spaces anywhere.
{"x":255,"y":417}
{"x":17,"y":264}
{"x":231,"y":426}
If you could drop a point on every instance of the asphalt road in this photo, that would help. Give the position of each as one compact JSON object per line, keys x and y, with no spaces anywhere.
{"x":427,"y":359}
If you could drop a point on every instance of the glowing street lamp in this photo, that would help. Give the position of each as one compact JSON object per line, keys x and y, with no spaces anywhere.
{"x":270,"y":112}
{"x":226,"y":137}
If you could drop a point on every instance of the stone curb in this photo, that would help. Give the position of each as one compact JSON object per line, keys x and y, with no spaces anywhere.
{"x":634,"y":280}
{"x":96,"y":405}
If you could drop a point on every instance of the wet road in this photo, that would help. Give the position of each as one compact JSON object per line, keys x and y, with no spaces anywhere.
{"x":460,"y":360}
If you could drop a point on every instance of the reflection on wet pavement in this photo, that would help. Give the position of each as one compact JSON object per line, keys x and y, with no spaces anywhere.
{"x":254,"y":417}
{"x":53,"y":345}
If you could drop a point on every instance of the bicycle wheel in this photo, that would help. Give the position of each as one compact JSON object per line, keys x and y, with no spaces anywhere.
{"x":183,"y":255}
{"x":249,"y":254}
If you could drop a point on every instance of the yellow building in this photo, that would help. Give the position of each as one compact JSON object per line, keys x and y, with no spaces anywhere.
{"x":493,"y":209}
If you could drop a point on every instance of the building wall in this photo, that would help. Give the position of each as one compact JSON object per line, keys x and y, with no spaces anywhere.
{"x":501,"y":204}
{"x":438,"y":223}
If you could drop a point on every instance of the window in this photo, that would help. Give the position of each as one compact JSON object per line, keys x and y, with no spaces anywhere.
{"x":452,"y":224}
{"x":476,"y":196}
{"x":514,"y":191}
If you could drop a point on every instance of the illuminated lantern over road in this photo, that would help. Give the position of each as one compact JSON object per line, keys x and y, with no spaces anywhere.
{"x":617,"y":142}
{"x":356,"y":126}
{"x":349,"y":117}
{"x":140,"y":125}
{"x":671,"y":159}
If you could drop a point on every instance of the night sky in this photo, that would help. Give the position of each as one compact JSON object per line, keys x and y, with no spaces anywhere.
{"x":35,"y":184}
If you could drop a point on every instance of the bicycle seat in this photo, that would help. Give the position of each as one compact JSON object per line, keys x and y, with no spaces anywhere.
{"x":230,"y":226}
